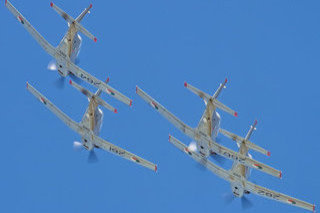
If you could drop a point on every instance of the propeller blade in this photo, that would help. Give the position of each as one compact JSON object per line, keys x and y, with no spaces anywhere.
{"x":60,"y":82}
{"x":246,"y":203}
{"x":228,"y":198}
{"x":77,"y":146}
{"x":52,"y":66}
{"x":92,"y":158}
{"x":192,"y":146}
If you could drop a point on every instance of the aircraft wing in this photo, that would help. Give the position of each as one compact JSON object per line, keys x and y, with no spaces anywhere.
{"x":85,"y":76}
{"x":273,"y":195}
{"x":66,"y":119}
{"x":165,"y":113}
{"x":244,"y":160}
{"x":109,"y":147}
{"x":222,"y":173}
{"x":39,"y":38}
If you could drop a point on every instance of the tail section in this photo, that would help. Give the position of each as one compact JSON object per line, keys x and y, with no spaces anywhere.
{"x":241,"y":140}
{"x":92,"y":96}
{"x":76,"y":22}
{"x":212,"y":99}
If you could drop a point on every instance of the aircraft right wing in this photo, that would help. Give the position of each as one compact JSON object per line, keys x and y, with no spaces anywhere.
{"x":222,"y":173}
{"x":66,"y":119}
{"x":35,"y":34}
{"x":165,"y":113}
{"x":109,"y":147}
{"x":267,"y":193}
{"x":85,"y":76}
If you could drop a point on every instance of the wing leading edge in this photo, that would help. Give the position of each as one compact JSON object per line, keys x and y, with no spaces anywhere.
{"x":34,"y":33}
{"x":109,"y":147}
{"x":273,"y":195}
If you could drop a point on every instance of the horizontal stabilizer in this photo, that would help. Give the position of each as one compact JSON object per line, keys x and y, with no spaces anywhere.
{"x":248,"y":143}
{"x":71,"y":21}
{"x":90,"y":95}
{"x":197,"y":91}
{"x":208,"y":99}
{"x":223,"y":107}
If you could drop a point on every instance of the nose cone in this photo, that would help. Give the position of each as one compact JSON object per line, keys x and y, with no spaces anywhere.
{"x":237,"y":190}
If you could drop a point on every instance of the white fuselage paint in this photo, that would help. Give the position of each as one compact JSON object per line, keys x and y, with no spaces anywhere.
{"x":98,"y":119}
{"x":242,"y":172}
{"x":68,"y":50}
{"x":203,"y":147}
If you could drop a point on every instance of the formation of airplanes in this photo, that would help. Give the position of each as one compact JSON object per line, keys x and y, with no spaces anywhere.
{"x":205,"y":134}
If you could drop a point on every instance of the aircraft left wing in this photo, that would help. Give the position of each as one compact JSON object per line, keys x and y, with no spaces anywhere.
{"x":35,"y":34}
{"x":222,"y":173}
{"x":109,"y":147}
{"x":165,"y":113}
{"x":66,"y":119}
{"x":273,"y":195}
{"x":85,"y":76}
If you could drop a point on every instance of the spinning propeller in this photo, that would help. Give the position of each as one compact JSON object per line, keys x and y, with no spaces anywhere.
{"x":92,"y":158}
{"x":60,"y":82}
{"x":245,"y":202}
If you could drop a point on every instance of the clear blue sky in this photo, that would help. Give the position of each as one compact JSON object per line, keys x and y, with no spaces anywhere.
{"x":269,"y":50}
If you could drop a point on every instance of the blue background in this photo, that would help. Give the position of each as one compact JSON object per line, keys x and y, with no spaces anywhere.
{"x":269,"y":50}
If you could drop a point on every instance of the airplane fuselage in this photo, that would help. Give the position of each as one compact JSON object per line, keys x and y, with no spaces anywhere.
{"x":209,"y":126}
{"x":242,"y":172}
{"x":68,"y":50}
{"x":92,"y":123}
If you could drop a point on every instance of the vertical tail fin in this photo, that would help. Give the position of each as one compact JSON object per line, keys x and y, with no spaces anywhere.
{"x":70,"y":20}
{"x":86,"y":11}
{"x":207,"y":98}
{"x":252,"y":128}
{"x":96,"y":97}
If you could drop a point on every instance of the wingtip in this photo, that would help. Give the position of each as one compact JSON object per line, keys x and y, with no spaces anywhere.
{"x":235,"y":114}
{"x":95,"y":39}
{"x":136,"y":89}
{"x":107,"y":81}
{"x":90,"y":6}
{"x":51,"y":4}
{"x":269,"y":154}
{"x":155,"y":168}
{"x":115,"y":111}
{"x":185,"y":84}
{"x":255,"y":122}
{"x":169,"y":137}
{"x":27,"y":85}
{"x":225,"y":80}
{"x":130,"y":103}
{"x":5,"y":3}
{"x":280,"y":175}
{"x":314,"y":208}
{"x":70,"y":82}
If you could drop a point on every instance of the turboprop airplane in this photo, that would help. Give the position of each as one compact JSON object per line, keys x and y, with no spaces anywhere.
{"x":90,"y":125}
{"x":207,"y":130}
{"x":66,"y":53}
{"x":238,"y":175}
